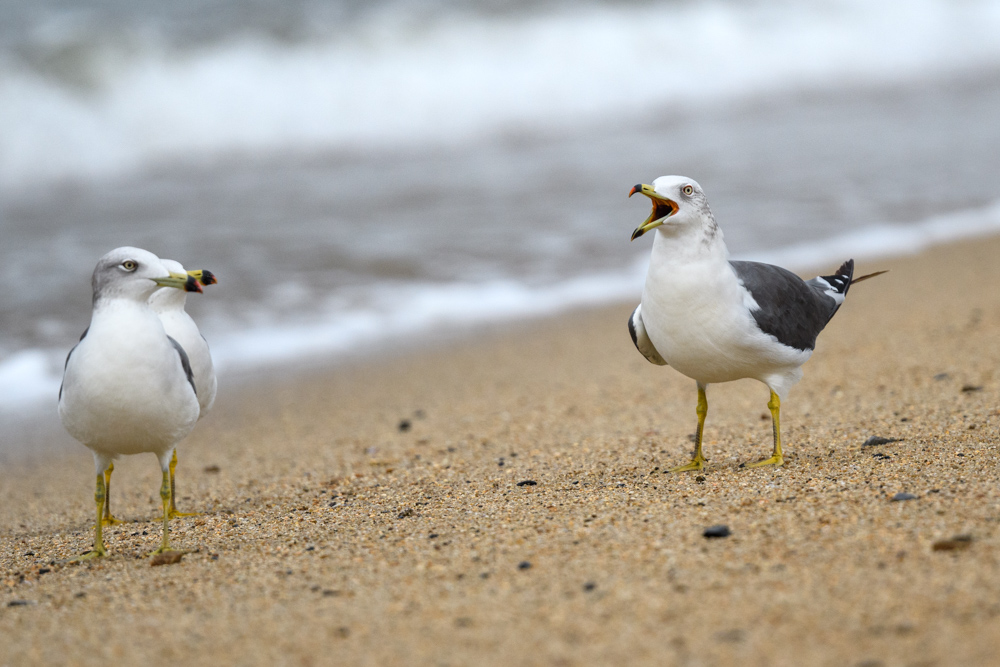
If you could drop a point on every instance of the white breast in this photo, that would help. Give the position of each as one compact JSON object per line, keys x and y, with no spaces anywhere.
{"x":124,"y":389}
{"x":697,"y":314}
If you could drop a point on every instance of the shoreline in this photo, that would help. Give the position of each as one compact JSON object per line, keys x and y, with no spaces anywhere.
{"x":329,"y":530}
{"x":883,"y":242}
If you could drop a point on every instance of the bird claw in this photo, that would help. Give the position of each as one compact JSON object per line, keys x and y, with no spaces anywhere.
{"x":91,"y":555}
{"x":772,"y":461}
{"x":695,"y":464}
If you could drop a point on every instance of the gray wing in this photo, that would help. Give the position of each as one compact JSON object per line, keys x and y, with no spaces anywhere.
{"x":642,"y":343}
{"x":82,"y":336}
{"x":790,"y":309}
{"x":186,"y":363}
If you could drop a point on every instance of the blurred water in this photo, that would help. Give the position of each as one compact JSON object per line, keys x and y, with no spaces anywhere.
{"x":357,"y":171}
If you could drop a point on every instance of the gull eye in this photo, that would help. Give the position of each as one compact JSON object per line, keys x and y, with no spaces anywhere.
{"x":130,"y":265}
{"x":688,"y":190}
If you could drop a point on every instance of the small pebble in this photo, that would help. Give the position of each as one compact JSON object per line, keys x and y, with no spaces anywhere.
{"x":876,"y":440}
{"x":18,"y":603}
{"x":212,"y":469}
{"x":524,"y":565}
{"x":527,"y":482}
{"x":966,"y":388}
{"x":405,"y":513}
{"x":957,"y":543}
{"x":589,"y":586}
{"x":720,"y":530}
{"x":700,"y":479}
{"x":167,"y":558}
{"x":903,"y":496}
{"x":404,"y":425}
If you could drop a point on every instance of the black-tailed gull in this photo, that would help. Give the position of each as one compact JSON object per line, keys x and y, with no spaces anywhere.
{"x":169,"y":305}
{"x":127,"y":386}
{"x":717,"y":320}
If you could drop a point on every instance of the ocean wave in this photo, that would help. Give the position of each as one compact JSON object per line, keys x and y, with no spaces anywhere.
{"x":404,"y":312}
{"x":458,"y":77}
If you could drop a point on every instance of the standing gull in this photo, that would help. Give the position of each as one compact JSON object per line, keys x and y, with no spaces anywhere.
{"x":717,"y":320}
{"x":168,"y":304}
{"x":127,"y":386}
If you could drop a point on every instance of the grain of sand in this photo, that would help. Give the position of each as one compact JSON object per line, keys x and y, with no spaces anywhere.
{"x":332,"y":533}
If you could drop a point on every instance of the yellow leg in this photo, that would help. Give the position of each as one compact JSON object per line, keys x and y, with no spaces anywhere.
{"x":173,"y":513}
{"x":99,"y":497}
{"x":698,"y":462}
{"x":774,"y":405}
{"x":107,"y":519}
{"x":165,"y":497}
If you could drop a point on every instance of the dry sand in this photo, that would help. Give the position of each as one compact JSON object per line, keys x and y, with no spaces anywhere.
{"x":331,"y":536}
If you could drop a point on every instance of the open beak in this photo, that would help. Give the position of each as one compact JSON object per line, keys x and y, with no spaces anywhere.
{"x":182,"y":281}
{"x":204,"y":276}
{"x":663,"y":208}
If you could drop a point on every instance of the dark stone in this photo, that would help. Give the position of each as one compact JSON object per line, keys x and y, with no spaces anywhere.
{"x":29,"y":553}
{"x":44,"y":570}
{"x":966,"y":388}
{"x":212,"y":469}
{"x":528,"y":482}
{"x":589,"y":586}
{"x":720,"y":530}
{"x":903,"y":496}
{"x":876,"y":440}
{"x":404,"y":425}
{"x":405,"y":513}
{"x":700,"y":479}
{"x":957,"y":543}
{"x":432,"y":536}
{"x":18,"y":603}
{"x":524,"y":565}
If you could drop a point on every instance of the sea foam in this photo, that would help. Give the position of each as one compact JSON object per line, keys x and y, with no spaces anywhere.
{"x":390,"y":82}
{"x":30,"y":378}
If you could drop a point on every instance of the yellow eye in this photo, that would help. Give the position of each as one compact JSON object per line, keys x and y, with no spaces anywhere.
{"x":129,"y":265}
{"x":688,"y":190}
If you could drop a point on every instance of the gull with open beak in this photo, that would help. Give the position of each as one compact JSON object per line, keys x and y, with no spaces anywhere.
{"x":127,"y":386}
{"x":718,"y":320}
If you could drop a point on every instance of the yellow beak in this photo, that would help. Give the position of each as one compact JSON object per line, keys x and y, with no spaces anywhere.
{"x":180,"y":281}
{"x":204,"y":276}
{"x":663,"y":208}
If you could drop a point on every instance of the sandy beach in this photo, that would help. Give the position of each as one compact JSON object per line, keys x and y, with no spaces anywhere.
{"x":502,"y":500}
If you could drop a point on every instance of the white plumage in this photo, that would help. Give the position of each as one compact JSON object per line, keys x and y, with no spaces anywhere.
{"x":716,"y":320}
{"x":126,"y":386}
{"x":169,"y":304}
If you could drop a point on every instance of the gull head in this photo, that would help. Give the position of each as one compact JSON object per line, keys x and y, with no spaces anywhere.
{"x":678,"y":201}
{"x":134,"y":273}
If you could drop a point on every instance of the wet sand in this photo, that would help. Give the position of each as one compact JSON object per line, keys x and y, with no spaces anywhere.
{"x":374,"y":513}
